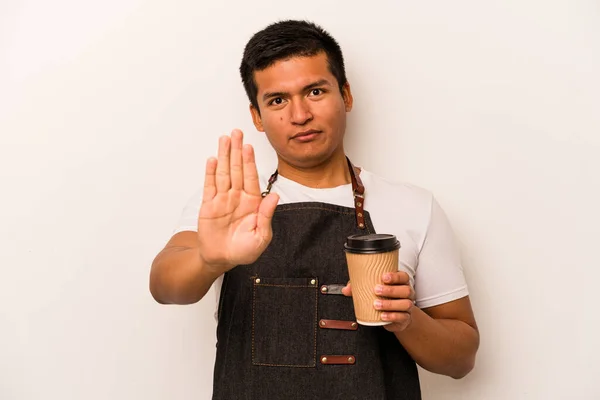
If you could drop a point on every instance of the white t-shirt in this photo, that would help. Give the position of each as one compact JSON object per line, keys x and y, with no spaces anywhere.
{"x":428,"y":253}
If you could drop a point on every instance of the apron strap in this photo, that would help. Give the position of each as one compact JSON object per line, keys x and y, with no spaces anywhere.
{"x":358,"y":191}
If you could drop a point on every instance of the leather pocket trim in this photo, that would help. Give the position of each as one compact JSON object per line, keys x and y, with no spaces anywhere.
{"x":332,"y":289}
{"x":338,"y":324}
{"x":338,"y":360}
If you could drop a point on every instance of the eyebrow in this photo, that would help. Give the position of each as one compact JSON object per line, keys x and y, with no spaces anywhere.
{"x":321,"y":82}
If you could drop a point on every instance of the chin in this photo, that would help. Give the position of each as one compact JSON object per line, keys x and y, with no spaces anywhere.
{"x":308,"y":160}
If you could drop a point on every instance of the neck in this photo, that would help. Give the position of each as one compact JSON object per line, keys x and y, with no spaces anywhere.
{"x":331,"y":173}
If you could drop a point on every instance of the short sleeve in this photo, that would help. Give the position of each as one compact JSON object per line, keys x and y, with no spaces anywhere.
{"x":188,"y":221}
{"x":439,"y":275}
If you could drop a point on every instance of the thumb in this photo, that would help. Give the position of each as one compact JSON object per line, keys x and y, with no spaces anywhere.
{"x":347,"y":290}
{"x":265,"y":214}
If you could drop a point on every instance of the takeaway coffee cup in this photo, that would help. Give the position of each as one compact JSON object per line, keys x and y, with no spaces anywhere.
{"x":369,"y":257}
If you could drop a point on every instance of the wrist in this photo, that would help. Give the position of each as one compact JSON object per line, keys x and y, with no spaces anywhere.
{"x":211,"y":269}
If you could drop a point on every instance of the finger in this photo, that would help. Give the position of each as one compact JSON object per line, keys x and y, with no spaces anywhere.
{"x":266,"y":210}
{"x":401,"y":318}
{"x":223,"y":178}
{"x":347,"y":290}
{"x":237,"y":175}
{"x":403,"y":305}
{"x":251,"y":184}
{"x":395,"y":291}
{"x":210,"y":188}
{"x":396,"y":278}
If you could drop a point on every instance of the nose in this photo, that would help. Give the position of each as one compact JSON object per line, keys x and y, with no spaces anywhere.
{"x":300,"y":112}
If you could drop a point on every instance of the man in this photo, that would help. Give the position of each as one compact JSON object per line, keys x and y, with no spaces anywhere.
{"x":276,"y":258}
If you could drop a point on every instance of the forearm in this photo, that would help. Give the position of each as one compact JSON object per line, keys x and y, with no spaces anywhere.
{"x":180,"y":276}
{"x":443,"y":346}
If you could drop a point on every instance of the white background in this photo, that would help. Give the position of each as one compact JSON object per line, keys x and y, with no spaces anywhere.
{"x":109,"y":109}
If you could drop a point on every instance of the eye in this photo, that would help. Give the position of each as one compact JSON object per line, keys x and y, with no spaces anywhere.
{"x":316,"y":92}
{"x":276,"y":101}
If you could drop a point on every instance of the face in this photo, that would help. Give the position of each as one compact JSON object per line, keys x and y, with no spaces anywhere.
{"x":302,"y":111}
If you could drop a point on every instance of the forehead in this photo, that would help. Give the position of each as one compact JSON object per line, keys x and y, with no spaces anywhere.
{"x":293,"y":74}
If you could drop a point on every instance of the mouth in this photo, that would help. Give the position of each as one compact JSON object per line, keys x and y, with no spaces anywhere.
{"x":306,"y":135}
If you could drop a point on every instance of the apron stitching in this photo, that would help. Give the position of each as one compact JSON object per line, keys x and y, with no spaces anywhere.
{"x":292,"y":286}
{"x":285,"y":365}
{"x":316,"y":323}
{"x":316,"y":208}
{"x":253,"y":312}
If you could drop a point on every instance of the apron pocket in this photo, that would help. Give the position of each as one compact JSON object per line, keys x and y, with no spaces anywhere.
{"x":284,"y":322}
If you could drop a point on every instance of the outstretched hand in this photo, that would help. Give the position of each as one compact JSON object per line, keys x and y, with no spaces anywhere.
{"x":234,"y":222}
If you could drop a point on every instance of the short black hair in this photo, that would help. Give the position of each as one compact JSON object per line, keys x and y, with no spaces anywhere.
{"x":286,"y":39}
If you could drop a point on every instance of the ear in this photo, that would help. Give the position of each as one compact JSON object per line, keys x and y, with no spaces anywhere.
{"x":347,"y":95}
{"x":256,"y":118}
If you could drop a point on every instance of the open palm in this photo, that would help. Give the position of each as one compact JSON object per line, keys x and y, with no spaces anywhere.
{"x":234,"y":223}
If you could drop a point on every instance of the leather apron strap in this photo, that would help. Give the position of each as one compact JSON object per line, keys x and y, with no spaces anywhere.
{"x":358,"y":191}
